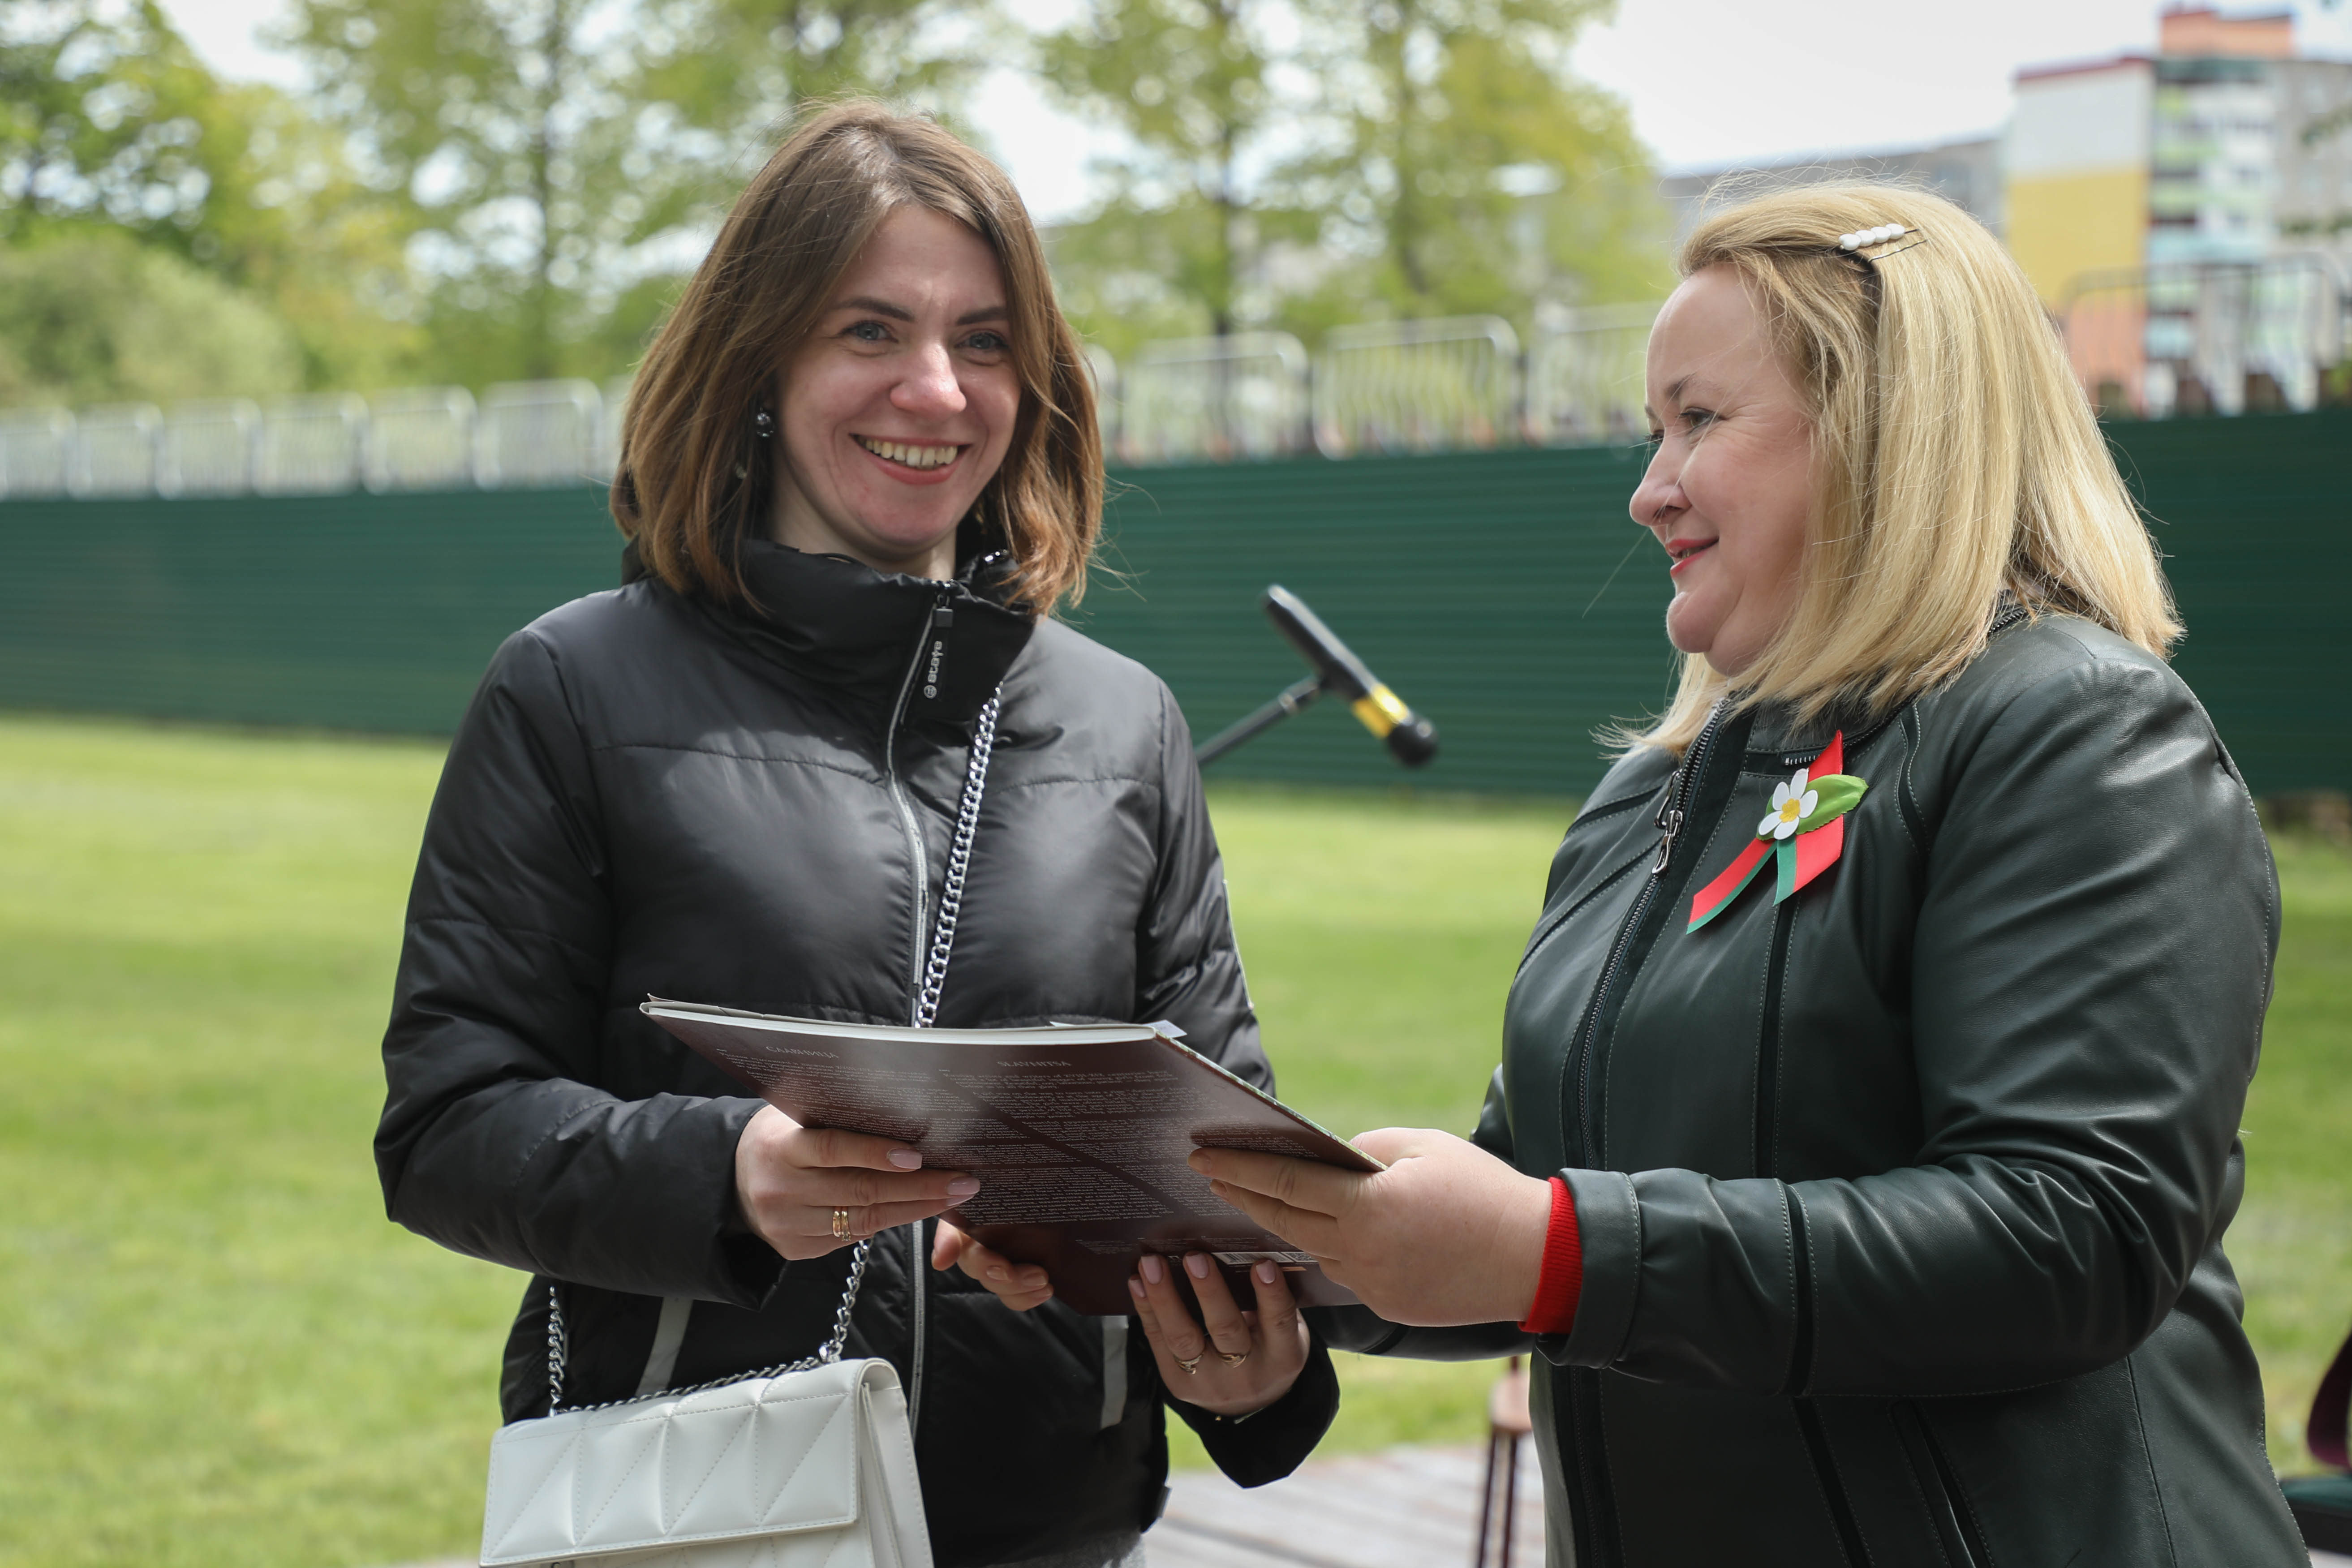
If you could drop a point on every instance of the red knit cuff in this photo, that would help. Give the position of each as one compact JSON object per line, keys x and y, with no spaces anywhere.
{"x":1562,"y":1280}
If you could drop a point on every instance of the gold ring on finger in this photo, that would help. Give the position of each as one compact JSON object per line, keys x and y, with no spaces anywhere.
{"x":1191,"y":1366}
{"x":1232,"y":1360}
{"x":840,"y":1231}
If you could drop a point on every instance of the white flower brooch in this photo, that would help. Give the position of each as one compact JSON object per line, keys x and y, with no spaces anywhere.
{"x":1803,"y":834}
{"x":1792,"y":803}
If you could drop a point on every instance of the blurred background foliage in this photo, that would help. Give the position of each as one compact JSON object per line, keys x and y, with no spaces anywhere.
{"x":471,"y":191}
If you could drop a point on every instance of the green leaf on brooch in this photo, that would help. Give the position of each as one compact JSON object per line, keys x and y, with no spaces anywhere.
{"x":1836,"y":794}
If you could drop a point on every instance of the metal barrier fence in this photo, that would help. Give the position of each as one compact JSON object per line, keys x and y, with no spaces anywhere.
{"x":311,"y":445}
{"x":1104,"y":370}
{"x":2152,"y":343}
{"x":206,"y":449}
{"x":420,"y":439}
{"x":2209,"y":337}
{"x":533,"y":434}
{"x":1215,"y":400}
{"x":113,"y":452}
{"x":522,"y":435}
{"x":1585,"y":376}
{"x":1436,"y":386}
{"x":35,"y":448}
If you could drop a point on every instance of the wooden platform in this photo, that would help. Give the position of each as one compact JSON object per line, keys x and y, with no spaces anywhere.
{"x":1406,"y":1508}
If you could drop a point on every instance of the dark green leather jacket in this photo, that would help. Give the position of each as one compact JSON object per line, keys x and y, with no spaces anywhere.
{"x":1902,"y":1201}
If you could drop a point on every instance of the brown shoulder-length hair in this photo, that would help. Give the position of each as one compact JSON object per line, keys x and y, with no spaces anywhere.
{"x":694,"y":480}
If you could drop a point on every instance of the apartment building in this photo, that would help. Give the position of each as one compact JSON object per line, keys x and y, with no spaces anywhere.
{"x":2188,"y":214}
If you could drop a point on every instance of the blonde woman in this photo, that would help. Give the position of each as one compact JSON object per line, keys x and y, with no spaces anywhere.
{"x":1866,"y":1126}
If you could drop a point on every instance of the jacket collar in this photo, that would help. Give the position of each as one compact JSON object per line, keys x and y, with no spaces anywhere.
{"x":1778,"y":743}
{"x":1779,"y":740}
{"x":839,"y":624}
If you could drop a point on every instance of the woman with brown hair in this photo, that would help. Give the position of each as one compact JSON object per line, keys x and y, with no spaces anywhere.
{"x":858,"y":472}
{"x":1866,"y":1126}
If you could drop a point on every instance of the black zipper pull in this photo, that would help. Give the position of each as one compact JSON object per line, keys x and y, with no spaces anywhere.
{"x":1670,"y":810}
{"x":1670,"y":824}
{"x":1670,"y":819}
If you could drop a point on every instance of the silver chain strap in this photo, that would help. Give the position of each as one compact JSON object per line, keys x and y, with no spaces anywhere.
{"x":927,"y":1008}
{"x":943,"y":930}
{"x":559,"y":1348}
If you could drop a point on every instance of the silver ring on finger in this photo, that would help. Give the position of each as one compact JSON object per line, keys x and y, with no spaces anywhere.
{"x":1190,"y":1367}
{"x":840,"y":1231}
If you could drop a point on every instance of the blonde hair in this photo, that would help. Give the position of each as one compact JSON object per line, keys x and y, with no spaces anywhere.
{"x":1953,"y":456}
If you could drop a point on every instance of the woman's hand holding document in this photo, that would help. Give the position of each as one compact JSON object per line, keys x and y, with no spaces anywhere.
{"x":1229,"y":1362}
{"x":1446,"y":1234}
{"x":1078,"y":1137}
{"x":792,"y":1181}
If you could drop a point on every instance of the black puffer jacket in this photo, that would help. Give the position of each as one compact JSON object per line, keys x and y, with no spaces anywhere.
{"x":650,"y":794}
{"x":1902,"y":1201}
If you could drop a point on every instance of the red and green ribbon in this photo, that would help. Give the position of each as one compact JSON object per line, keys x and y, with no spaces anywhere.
{"x":1803,"y":836}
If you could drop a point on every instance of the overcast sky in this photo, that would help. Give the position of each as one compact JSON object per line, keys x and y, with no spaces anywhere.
{"x":1709,"y":81}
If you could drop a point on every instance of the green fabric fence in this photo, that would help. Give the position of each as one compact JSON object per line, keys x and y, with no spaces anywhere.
{"x":1479,"y":585}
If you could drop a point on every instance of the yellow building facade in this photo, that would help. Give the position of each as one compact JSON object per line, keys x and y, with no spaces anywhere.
{"x":2078,"y":172}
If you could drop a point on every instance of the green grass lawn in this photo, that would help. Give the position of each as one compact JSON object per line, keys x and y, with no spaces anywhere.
{"x":2291,"y":1243}
{"x":212,"y":1348}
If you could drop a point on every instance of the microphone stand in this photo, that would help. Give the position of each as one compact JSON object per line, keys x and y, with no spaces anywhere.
{"x":1288,"y":701}
{"x":1408,"y":737}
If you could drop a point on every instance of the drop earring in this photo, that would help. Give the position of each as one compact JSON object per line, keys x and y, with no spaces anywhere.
{"x":763,"y":425}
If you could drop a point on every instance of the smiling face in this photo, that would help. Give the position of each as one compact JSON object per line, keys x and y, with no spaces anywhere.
{"x":1730,"y":487}
{"x":898,"y":409}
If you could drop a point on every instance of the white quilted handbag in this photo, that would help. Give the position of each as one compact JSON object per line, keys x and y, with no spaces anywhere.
{"x":805,"y":1466}
{"x":810,"y":1466}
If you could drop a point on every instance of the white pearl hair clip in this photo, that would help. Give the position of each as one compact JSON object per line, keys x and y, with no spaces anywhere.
{"x":1878,"y":236}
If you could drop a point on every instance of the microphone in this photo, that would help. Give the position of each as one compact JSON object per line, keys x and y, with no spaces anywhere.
{"x":1410,"y":737}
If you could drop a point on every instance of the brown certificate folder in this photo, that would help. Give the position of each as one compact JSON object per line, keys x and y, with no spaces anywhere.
{"x":1078,"y":1134}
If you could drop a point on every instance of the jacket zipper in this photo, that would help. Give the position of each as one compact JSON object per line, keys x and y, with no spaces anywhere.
{"x":1586,"y":1456}
{"x":1678,"y":788}
{"x":1670,"y":826}
{"x":931,"y":651}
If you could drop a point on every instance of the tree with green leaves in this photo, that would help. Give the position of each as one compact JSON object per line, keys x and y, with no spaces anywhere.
{"x":91,"y":315}
{"x":726,"y":77}
{"x":562,"y":161}
{"x":497,"y":128}
{"x":106,"y":116}
{"x":1305,"y":163}
{"x":740,"y":67}
{"x":1180,"y":241}
{"x":113,"y":130}
{"x":1470,"y":162}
